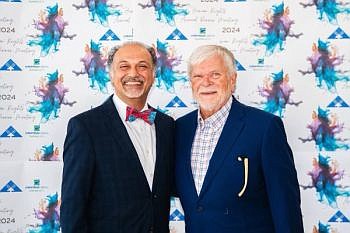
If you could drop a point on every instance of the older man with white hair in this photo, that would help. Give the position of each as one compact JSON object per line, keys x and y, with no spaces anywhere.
{"x":234,"y":168}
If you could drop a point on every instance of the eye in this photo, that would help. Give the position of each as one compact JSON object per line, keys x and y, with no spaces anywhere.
{"x":123,"y":67}
{"x":197,"y":76}
{"x":143,"y":66}
{"x":216,"y":75}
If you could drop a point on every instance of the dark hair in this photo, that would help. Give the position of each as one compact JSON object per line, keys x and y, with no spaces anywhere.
{"x":150,"y":49}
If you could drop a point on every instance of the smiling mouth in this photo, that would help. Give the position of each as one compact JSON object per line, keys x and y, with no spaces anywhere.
{"x":133,"y":83}
{"x":207,"y":92}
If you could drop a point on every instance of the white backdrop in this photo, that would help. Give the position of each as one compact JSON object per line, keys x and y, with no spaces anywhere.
{"x":293,"y":59}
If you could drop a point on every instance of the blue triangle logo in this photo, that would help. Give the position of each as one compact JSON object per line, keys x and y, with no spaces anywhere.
{"x":338,"y":102}
{"x":176,"y":103}
{"x":176,"y":216}
{"x":239,"y":66}
{"x":109,"y":36}
{"x":338,"y":217}
{"x":338,"y":34}
{"x":10,"y":187}
{"x":176,"y":35}
{"x":10,"y":1}
{"x":10,"y":66}
{"x":10,"y":132}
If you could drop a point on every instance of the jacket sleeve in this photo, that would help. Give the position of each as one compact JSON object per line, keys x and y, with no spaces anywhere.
{"x":78,"y":158}
{"x":281,"y":179}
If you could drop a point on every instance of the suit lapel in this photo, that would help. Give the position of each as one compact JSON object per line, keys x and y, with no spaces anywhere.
{"x":187,"y":146}
{"x":228,"y":137}
{"x":160,"y":134}
{"x":120,"y":134}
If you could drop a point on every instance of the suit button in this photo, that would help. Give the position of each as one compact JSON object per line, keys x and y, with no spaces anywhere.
{"x":200,"y":208}
{"x":155,"y":196}
{"x":150,"y":230}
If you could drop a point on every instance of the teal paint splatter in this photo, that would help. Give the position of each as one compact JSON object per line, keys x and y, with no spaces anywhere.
{"x":52,"y":27}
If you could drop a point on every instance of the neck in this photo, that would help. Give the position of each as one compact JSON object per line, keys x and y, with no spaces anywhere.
{"x":136,"y":103}
{"x":206,"y":113}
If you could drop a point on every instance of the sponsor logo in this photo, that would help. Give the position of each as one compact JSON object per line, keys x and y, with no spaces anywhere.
{"x":338,"y":102}
{"x":10,"y":132}
{"x":239,"y":66}
{"x":36,"y":65}
{"x":35,"y":187}
{"x":176,"y":215}
{"x":338,"y":217}
{"x":176,"y":35}
{"x":338,"y":34}
{"x":10,"y":187}
{"x":202,"y":34}
{"x":36,"y":132}
{"x":10,"y":65}
{"x":109,"y":36}
{"x":176,"y":103}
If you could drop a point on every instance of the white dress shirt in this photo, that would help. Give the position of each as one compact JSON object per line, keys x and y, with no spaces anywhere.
{"x":143,"y":137}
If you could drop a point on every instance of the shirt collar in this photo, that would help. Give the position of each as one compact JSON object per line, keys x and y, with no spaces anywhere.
{"x":218,"y":119}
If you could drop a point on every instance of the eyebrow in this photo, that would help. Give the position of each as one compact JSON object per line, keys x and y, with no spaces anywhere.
{"x":122,"y":61}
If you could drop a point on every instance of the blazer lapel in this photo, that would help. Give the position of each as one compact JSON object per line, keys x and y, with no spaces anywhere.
{"x":192,"y":126}
{"x":160,"y":134}
{"x":228,"y":137}
{"x":120,"y":134}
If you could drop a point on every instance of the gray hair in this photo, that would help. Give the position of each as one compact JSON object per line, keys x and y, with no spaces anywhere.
{"x":206,"y":51}
{"x":150,"y":49}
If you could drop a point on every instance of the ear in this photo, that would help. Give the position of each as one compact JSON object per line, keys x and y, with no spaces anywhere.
{"x":110,"y":72}
{"x":233,"y":79}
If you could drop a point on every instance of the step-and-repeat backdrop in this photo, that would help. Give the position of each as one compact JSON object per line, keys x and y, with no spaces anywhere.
{"x":292,"y":56}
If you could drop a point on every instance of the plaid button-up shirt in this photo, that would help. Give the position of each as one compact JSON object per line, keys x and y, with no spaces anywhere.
{"x":207,"y":136}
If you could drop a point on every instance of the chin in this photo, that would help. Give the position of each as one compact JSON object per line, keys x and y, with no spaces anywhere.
{"x":212,"y":106}
{"x":208,"y":106}
{"x":134,"y":94}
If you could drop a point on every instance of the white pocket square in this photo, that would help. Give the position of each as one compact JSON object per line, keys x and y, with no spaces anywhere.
{"x":246,"y":163}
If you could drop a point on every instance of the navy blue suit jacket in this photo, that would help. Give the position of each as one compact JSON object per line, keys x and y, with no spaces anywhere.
{"x":104,"y":188}
{"x":271,"y":200}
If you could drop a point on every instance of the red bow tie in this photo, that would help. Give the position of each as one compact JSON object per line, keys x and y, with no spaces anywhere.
{"x":148,"y":115}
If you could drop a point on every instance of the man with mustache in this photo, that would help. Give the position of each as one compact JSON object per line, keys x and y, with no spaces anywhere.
{"x":118,"y":157}
{"x":234,"y":168}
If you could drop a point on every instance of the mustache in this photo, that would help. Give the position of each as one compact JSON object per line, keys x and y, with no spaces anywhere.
{"x":132,"y":79}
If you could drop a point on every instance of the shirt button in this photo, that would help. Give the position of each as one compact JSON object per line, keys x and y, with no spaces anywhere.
{"x":200,"y":208}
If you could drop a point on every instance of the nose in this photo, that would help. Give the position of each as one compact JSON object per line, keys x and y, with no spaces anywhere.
{"x":133,"y":71}
{"x":206,"y":81}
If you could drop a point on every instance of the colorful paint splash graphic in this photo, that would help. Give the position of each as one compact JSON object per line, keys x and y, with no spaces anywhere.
{"x":277,"y":25}
{"x":47,"y":153}
{"x":277,"y":91}
{"x":329,"y":8}
{"x":322,"y":228}
{"x":52,"y":27}
{"x":99,"y":9}
{"x":52,"y":94}
{"x":49,"y":215}
{"x":166,"y":76}
{"x":323,"y":63}
{"x":95,"y":63}
{"x":166,"y":10}
{"x":324,"y":177}
{"x":323,"y":128}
